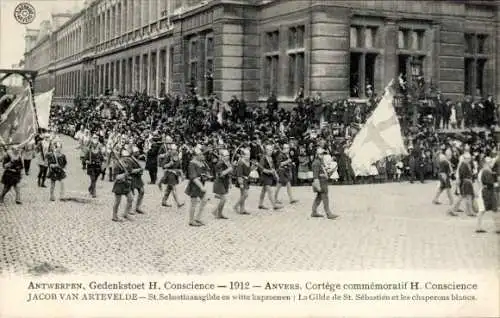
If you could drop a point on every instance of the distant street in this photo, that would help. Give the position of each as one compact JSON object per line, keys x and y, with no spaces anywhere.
{"x":382,"y":226}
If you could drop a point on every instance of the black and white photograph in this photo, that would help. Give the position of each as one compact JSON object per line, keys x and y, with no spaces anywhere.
{"x":149,"y":138}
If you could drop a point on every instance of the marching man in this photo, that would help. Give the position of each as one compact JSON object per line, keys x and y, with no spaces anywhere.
{"x":171,"y":177}
{"x":320,"y":186}
{"x":197,"y":175}
{"x":223,"y":170}
{"x":57,"y":162}
{"x":13,"y":165}
{"x":243,"y":170}
{"x":122,"y":187}
{"x":285,"y":165}
{"x":268,"y":176}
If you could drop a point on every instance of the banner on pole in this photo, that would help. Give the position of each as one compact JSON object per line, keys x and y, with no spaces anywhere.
{"x":18,"y":123}
{"x":43,"y":104}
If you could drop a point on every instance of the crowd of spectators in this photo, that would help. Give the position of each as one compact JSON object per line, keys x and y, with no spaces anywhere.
{"x":332,"y":124}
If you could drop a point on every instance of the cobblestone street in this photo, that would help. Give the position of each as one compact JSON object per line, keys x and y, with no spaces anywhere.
{"x":386,"y":226}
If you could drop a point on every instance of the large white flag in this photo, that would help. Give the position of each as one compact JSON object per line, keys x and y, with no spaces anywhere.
{"x":42,"y":104}
{"x":379,"y":137}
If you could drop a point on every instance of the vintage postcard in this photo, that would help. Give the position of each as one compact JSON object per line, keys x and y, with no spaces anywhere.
{"x":249,"y":158}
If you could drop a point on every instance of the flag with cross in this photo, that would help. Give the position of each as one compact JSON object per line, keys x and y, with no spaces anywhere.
{"x":379,"y":137}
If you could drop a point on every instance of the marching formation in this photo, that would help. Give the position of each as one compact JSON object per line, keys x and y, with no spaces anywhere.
{"x":118,"y":155}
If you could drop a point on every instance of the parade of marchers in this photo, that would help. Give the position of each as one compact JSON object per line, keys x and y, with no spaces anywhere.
{"x":217,"y":145}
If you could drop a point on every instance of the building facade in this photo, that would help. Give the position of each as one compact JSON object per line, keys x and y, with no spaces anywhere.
{"x":254,"y":48}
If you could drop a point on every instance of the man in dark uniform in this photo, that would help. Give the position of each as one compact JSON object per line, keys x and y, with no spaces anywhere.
{"x":122,"y":187}
{"x":243,"y":170}
{"x":268,"y":177}
{"x":222,"y":182}
{"x":136,"y":177}
{"x":93,"y":162}
{"x":171,"y":165}
{"x":466,"y":187}
{"x":285,"y":165}
{"x":320,"y":186}
{"x":445,"y":171}
{"x":196,"y":190}
{"x":152,"y":158}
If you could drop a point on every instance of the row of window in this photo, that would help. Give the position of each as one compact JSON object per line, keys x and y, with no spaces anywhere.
{"x":139,"y":73}
{"x":364,"y":58}
{"x":411,"y":39}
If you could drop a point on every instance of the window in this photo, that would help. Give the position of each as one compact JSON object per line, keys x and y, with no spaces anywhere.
{"x":296,"y":61}
{"x":152,"y":89}
{"x":145,"y":73}
{"x":474,"y":63}
{"x":271,"y":63}
{"x":193,"y":62}
{"x":480,"y":64}
{"x":209,"y":65}
{"x":411,"y":55}
{"x":163,"y":72}
{"x":137,"y":79}
{"x":403,"y":39}
{"x":469,"y":43}
{"x":481,"y":44}
{"x":170,"y":68}
{"x":272,"y":41}
{"x":363,"y":59}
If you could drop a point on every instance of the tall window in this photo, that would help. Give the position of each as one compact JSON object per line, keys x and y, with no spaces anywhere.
{"x":163,"y":72}
{"x":271,"y":62}
{"x":411,"y":53}
{"x":296,"y":61}
{"x":137,"y":79}
{"x":363,"y":58}
{"x":152,"y":89}
{"x":170,"y":68}
{"x":129,"y":75}
{"x":209,"y":65}
{"x":193,"y":62}
{"x":474,"y":63}
{"x":145,"y":73}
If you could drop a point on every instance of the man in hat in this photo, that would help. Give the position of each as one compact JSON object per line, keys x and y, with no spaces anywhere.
{"x":29,"y":155}
{"x":94,"y":160}
{"x":243,"y":170}
{"x":268,"y":177}
{"x":320,"y":186}
{"x":136,"y":171}
{"x":12,"y":174}
{"x":42,"y":150}
{"x":445,"y":172}
{"x":222,"y":182}
{"x":487,"y":182}
{"x":57,"y":163}
{"x":465,"y":185}
{"x":152,"y":157}
{"x":196,"y":190}
{"x":171,"y":165}
{"x":122,"y":187}
{"x":285,"y":165}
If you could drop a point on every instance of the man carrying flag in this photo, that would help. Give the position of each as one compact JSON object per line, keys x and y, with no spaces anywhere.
{"x":17,"y":127}
{"x":379,"y":137}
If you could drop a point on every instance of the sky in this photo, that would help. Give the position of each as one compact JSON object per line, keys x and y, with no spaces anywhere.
{"x":12,"y":32}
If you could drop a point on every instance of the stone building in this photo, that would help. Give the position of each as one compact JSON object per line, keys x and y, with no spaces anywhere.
{"x":254,"y":47}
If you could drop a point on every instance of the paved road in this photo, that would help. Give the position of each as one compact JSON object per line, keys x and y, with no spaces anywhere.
{"x":385,"y":226}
